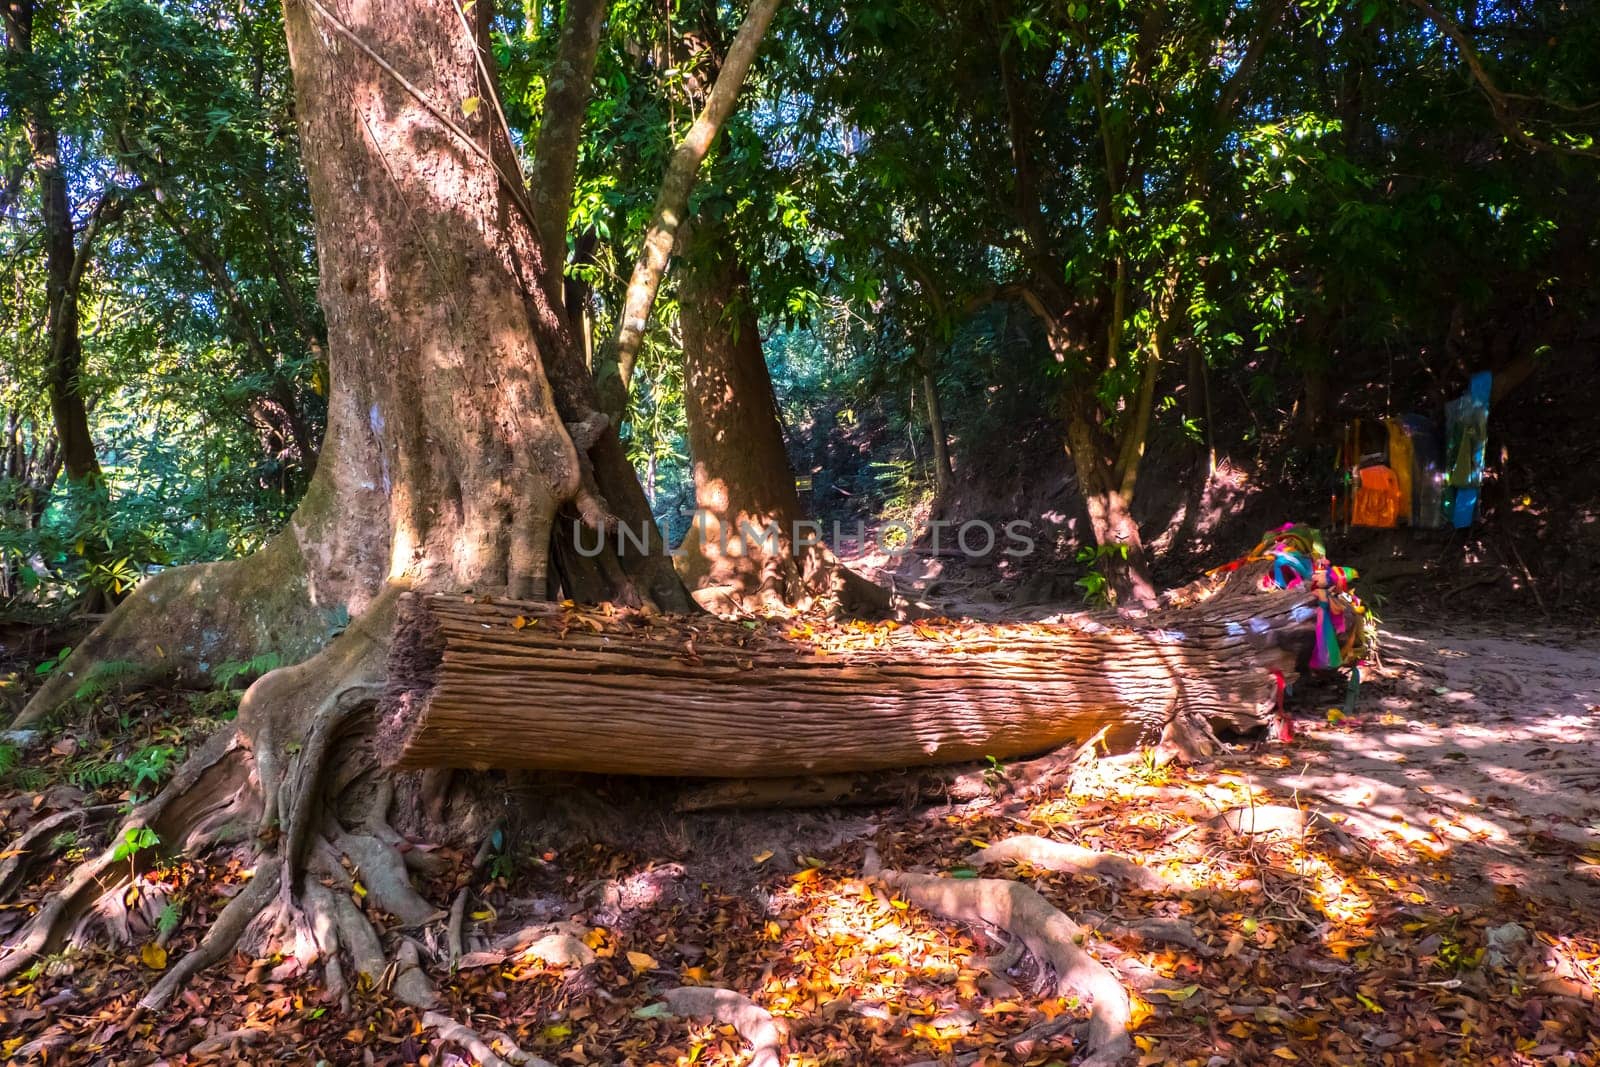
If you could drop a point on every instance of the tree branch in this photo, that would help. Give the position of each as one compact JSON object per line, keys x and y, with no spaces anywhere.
{"x":1499,"y":101}
{"x":555,"y":158}
{"x":1233,"y":88}
{"x":614,"y":363}
{"x":1131,"y":447}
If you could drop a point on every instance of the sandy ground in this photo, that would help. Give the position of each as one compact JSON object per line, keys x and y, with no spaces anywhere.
{"x":1480,"y":744}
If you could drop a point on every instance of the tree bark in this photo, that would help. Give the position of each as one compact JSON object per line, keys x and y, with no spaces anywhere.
{"x":1122,"y":560}
{"x":460,"y":436}
{"x":614,"y":363}
{"x":446,"y":458}
{"x":741,"y":542}
{"x":519,"y":685}
{"x":459,"y":430}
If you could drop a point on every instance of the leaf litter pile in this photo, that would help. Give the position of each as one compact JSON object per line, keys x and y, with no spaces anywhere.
{"x":1247,"y":924}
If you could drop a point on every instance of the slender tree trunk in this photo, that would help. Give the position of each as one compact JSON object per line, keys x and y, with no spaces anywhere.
{"x":614,"y":362}
{"x":64,"y":268}
{"x":943,"y":475}
{"x":561,"y":125}
{"x":1123,"y":559}
{"x":63,"y":282}
{"x":1106,"y":489}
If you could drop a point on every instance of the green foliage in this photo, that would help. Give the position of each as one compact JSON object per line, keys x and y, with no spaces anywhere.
{"x":903,"y":487}
{"x":1026,"y":205}
{"x":1096,"y":585}
{"x":108,"y":677}
{"x":1150,"y":771}
{"x":145,"y":768}
{"x":49,"y":664}
{"x":994,"y":773}
{"x":226,"y":675}
{"x":170,"y":918}
{"x":150,"y":765}
{"x":134,"y":841}
{"x":199,"y":324}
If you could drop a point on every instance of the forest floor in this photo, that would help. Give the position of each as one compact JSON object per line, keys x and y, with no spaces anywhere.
{"x":1418,"y":883}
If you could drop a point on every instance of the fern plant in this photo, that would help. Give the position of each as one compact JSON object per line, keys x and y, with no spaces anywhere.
{"x":107,"y":678}
{"x":226,"y":674}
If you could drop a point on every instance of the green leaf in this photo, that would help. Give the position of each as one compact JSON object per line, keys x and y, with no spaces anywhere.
{"x":135,"y":840}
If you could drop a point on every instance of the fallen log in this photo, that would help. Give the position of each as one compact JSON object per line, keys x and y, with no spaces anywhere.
{"x":520,"y":685}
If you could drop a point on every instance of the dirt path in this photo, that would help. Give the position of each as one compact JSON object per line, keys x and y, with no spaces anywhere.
{"x":1479,"y":746}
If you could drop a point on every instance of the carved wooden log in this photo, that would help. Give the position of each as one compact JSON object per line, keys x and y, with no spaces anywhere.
{"x":506,"y":684}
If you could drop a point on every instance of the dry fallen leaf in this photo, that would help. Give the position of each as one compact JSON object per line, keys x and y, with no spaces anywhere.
{"x":154,"y":956}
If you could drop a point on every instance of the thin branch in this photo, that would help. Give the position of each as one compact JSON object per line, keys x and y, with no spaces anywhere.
{"x":1233,"y":89}
{"x":1499,"y":100}
{"x":614,"y":364}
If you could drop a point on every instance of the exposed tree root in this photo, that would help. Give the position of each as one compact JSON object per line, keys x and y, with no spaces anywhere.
{"x":1188,"y":738}
{"x":490,"y":1049}
{"x":298,"y":771}
{"x":89,"y":880}
{"x":1048,"y":934}
{"x":454,"y":934}
{"x":189,"y":620}
{"x":1060,"y":856}
{"x":1166,"y":931}
{"x":226,"y":1041}
{"x":382,"y":872}
{"x":21,"y":854}
{"x":754,"y":1023}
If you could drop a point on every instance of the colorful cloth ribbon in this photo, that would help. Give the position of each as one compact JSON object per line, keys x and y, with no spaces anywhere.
{"x":1299,"y":559}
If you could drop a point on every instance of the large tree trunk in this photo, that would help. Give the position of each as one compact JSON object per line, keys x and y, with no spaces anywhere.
{"x":741,"y":543}
{"x":507,"y":684}
{"x":460,"y":430}
{"x":749,"y":543}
